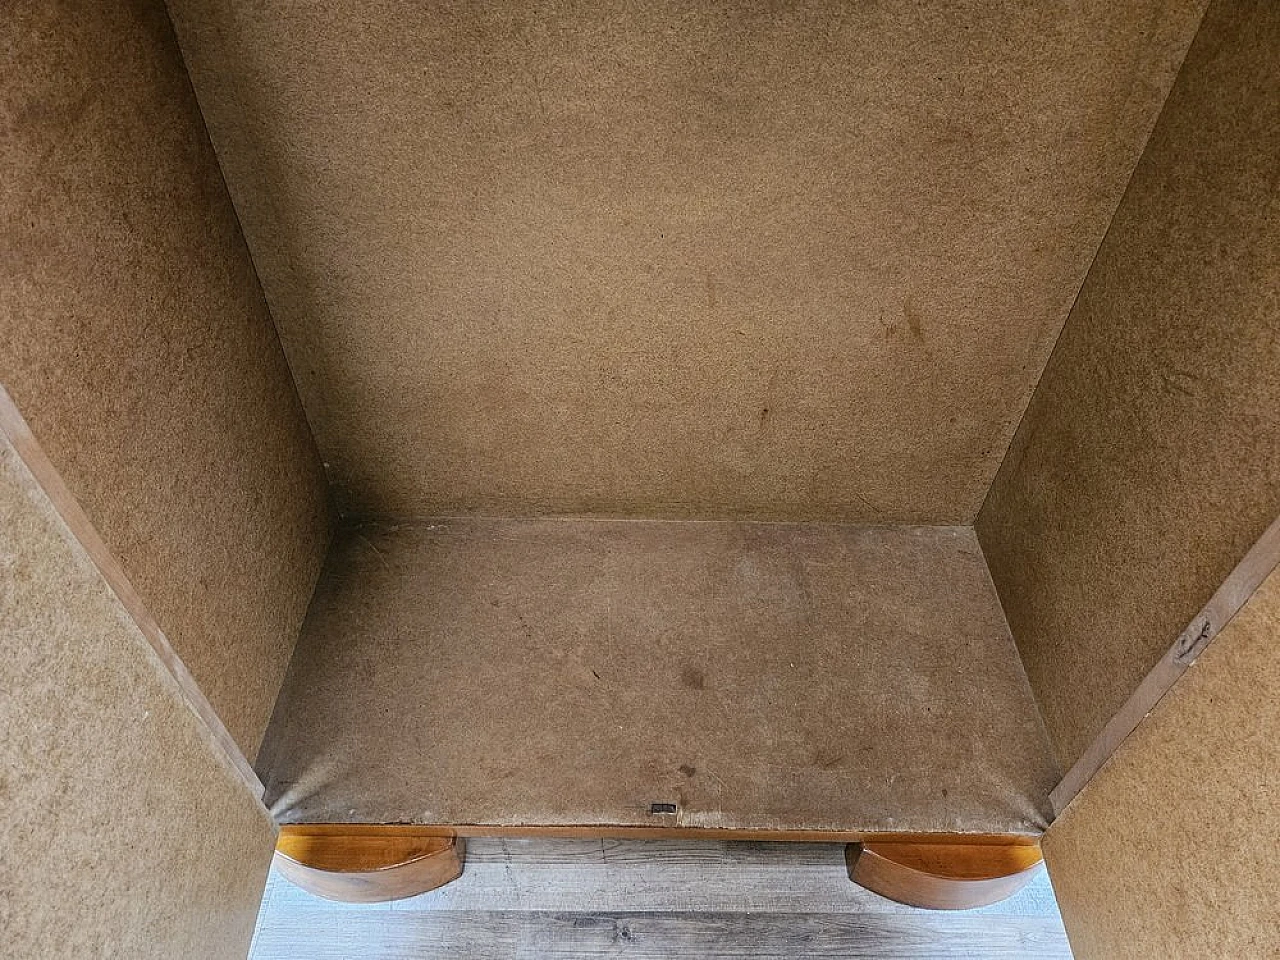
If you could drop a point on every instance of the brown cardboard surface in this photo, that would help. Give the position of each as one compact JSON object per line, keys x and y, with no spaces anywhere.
{"x":135,"y":340}
{"x":1170,"y":851}
{"x":123,"y":830}
{"x":1241,"y":584}
{"x":665,"y":259}
{"x":46,"y":476}
{"x":1147,"y":463}
{"x":574,"y":672}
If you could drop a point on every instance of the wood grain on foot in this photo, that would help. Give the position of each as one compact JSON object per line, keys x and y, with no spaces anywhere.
{"x":942,"y":876}
{"x":367,"y":864}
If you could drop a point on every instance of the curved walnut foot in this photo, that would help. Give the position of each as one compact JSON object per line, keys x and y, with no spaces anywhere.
{"x":942,"y":876}
{"x":356,"y":863}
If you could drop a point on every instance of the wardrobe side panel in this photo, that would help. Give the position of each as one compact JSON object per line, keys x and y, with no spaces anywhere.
{"x":124,"y":831}
{"x":1147,"y":463}
{"x":1170,"y":851}
{"x":136,"y":341}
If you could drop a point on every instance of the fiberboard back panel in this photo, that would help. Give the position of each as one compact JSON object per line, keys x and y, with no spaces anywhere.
{"x":135,"y":339}
{"x":124,"y":831}
{"x":519,"y":673}
{"x":1170,"y":851}
{"x":675,"y":260}
{"x":1146,"y":466}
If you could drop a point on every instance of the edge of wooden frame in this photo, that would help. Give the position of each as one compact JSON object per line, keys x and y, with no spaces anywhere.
{"x":15,"y":428}
{"x":607,"y":832}
{"x":1243,"y":581}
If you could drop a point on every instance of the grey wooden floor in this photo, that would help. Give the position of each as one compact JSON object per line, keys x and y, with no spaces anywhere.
{"x":651,"y":899}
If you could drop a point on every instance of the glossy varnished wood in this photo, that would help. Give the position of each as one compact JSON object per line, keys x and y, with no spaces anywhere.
{"x":943,"y":876}
{"x":370,"y":865}
{"x":366,"y":863}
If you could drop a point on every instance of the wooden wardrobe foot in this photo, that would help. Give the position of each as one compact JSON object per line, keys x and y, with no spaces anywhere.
{"x":942,"y":876}
{"x":357,"y":863}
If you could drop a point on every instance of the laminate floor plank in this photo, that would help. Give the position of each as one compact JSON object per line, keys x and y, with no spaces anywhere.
{"x":638,"y":898}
